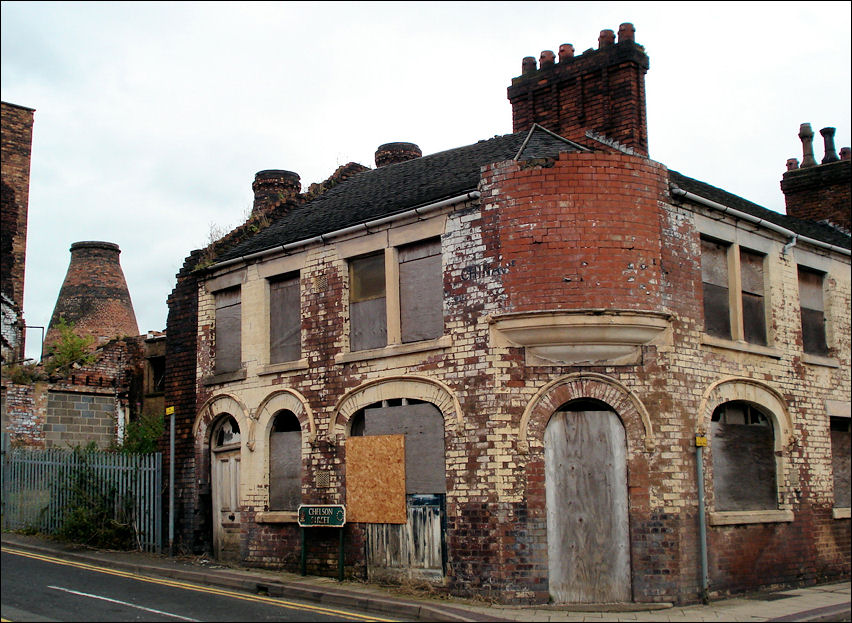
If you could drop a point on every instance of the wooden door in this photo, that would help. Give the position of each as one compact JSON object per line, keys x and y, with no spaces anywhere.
{"x":586,"y":491}
{"x":226,"y":508}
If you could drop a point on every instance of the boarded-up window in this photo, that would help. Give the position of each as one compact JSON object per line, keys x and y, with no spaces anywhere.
{"x":743,"y":447}
{"x":423,"y":427}
{"x":754,"y":311}
{"x":714,"y":277}
{"x":841,"y":435}
{"x":421,"y":291}
{"x":367,"y":303}
{"x":228,"y":350}
{"x":812,"y":307}
{"x":284,"y":320}
{"x":285,"y":462}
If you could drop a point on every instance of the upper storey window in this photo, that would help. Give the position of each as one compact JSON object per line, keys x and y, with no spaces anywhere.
{"x":396,"y":296}
{"x":733,"y":283}
{"x":367,"y":302}
{"x":285,"y":319}
{"x":228,"y":353}
{"x":812,"y":306}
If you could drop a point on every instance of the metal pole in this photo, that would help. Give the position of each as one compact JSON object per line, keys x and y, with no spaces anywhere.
{"x":340,"y":558}
{"x":171,"y":411}
{"x":304,"y":557}
{"x":700,"y":442}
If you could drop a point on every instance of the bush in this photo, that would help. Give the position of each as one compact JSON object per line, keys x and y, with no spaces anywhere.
{"x":96,"y":516}
{"x":140,"y":436}
{"x":70,"y":350}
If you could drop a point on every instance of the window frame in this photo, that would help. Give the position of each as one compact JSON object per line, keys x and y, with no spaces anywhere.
{"x":393,"y":320}
{"x":271,"y":283}
{"x":733,"y":255}
{"x":807,"y":270}
{"x":217,"y":340}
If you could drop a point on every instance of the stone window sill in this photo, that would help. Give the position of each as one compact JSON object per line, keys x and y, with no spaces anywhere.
{"x":277,"y":517}
{"x":732,"y":518}
{"x":286,"y":366}
{"x":224,"y":377}
{"x":395,"y":350}
{"x":740,"y":347}
{"x":818,"y":360}
{"x":841,"y":512}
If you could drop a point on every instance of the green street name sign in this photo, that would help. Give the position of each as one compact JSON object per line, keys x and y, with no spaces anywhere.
{"x":322,"y":515}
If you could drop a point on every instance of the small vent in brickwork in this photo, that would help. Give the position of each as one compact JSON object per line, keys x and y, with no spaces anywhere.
{"x":323,"y":479}
{"x":320,"y":283}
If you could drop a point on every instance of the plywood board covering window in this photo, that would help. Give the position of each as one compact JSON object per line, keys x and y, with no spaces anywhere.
{"x":754,"y":310}
{"x":228,"y":354}
{"x":367,"y":302}
{"x":284,"y":320}
{"x":841,"y":446}
{"x":421,"y":291}
{"x":812,"y":307}
{"x":375,"y":479}
{"x":714,"y":277}
{"x":743,"y":449}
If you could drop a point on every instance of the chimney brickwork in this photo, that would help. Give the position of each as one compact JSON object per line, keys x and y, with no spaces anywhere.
{"x":17,"y":134}
{"x":391,"y":153}
{"x":819,"y":190}
{"x":602,"y":91}
{"x":272,"y":188}
{"x":94,"y":295}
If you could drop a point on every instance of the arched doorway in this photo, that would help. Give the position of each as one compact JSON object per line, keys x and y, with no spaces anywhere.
{"x":225,"y":487}
{"x":585,"y":450}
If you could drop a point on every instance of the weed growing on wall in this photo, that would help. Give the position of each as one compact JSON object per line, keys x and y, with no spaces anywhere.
{"x":70,"y":350}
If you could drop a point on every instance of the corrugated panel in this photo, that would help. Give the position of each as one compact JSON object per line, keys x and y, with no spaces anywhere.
{"x":375,"y":479}
{"x":368,"y":324}
{"x":421,"y":297}
{"x":743,"y":467}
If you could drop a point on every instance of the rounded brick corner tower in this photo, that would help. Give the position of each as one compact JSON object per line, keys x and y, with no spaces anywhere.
{"x":94,"y":295}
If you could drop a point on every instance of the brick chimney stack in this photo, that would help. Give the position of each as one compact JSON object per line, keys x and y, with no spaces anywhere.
{"x":601,"y":91}
{"x":819,"y":191}
{"x":274,"y":187}
{"x":94,"y":295}
{"x":391,"y":153}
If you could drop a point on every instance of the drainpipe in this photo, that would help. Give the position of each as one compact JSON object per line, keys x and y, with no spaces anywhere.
{"x":790,"y":244}
{"x":700,"y":444}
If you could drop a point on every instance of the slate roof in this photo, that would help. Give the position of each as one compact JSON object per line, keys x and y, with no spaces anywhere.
{"x":395,"y":188}
{"x":399,"y":187}
{"x":810,"y":229}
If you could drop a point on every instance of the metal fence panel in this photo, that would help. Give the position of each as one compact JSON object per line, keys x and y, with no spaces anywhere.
{"x":38,"y":489}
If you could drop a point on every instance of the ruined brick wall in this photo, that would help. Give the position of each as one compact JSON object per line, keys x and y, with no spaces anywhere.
{"x":17,"y":124}
{"x":583,"y":232}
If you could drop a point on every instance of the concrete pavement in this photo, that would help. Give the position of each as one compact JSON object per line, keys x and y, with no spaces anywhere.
{"x":828,"y":602}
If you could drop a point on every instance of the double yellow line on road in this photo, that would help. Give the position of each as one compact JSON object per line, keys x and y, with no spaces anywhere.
{"x":193,"y":587}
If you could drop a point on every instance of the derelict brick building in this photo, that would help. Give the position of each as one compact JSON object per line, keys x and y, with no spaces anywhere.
{"x":504,"y":358}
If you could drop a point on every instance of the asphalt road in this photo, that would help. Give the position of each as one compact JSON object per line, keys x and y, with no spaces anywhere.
{"x":36,"y":587}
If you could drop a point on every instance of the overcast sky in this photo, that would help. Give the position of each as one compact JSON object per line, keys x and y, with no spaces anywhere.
{"x":152,"y":118}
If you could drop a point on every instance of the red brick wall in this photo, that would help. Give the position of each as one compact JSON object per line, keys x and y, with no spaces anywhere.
{"x":17,"y":129}
{"x":823,"y":192}
{"x":602,"y":91}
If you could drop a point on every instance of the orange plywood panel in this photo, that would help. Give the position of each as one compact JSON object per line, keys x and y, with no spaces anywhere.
{"x":375,"y":479}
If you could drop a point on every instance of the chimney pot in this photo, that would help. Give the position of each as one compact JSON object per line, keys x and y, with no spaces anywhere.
{"x":606,"y":39}
{"x":392,"y":153}
{"x":626,"y":32}
{"x":547,"y":59}
{"x":806,"y":135}
{"x":792,"y":164}
{"x":828,"y":139}
{"x":846,"y":153}
{"x":528,"y":65}
{"x":566,"y":51}
{"x":272,"y":187}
